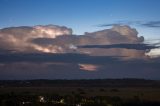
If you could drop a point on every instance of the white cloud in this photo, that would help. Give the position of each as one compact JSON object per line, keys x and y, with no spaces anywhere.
{"x":153,"y":53}
{"x":18,"y":38}
{"x":59,"y":39}
{"x":88,"y":67}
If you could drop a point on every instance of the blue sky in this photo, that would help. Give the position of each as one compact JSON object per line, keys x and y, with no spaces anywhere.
{"x":81,"y":15}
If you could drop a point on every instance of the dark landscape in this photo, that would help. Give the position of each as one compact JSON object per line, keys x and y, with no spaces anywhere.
{"x":97,"y":92}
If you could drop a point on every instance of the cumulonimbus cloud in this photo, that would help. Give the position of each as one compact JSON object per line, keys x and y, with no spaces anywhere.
{"x":23,"y":53}
{"x":18,"y":38}
{"x":59,"y":39}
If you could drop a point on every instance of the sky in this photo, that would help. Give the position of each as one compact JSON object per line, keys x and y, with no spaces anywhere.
{"x":79,"y":39}
{"x":81,"y":15}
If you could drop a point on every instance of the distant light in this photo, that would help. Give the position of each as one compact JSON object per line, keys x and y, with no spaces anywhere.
{"x":41,"y":99}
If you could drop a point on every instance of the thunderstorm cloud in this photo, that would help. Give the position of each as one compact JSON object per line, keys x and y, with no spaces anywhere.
{"x":115,"y":35}
{"x":52,"y":51}
{"x":18,"y":38}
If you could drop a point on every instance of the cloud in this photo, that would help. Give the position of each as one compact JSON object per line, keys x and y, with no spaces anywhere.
{"x":150,"y":24}
{"x":59,"y":39}
{"x":118,"y":34}
{"x":75,"y":66}
{"x":18,"y":38}
{"x":115,"y":35}
{"x":111,"y":24}
{"x":88,"y":67}
{"x":125,"y":46}
{"x":154,"y":53}
{"x":57,"y":58}
{"x":54,"y":52}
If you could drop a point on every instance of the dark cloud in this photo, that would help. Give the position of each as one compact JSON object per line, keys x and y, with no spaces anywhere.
{"x":126,"y":46}
{"x":75,"y":66}
{"x":150,"y":24}
{"x":111,"y":24}
{"x":49,"y":57}
{"x":121,"y":23}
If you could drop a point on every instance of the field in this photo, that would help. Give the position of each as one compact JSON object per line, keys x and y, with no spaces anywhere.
{"x":81,"y":92}
{"x":150,"y":94}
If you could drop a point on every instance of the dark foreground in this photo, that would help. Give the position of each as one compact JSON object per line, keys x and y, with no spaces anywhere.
{"x":109,"y":92}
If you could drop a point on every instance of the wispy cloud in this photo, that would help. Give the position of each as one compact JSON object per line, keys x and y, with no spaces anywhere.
{"x":88,"y":67}
{"x":150,"y":24}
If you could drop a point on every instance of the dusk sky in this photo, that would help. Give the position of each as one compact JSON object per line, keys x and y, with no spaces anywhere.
{"x":79,"y":39}
{"x":82,"y":15}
